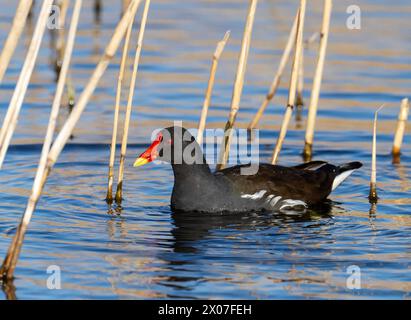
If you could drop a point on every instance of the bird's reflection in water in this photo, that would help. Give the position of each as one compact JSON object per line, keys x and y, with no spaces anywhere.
{"x":190,"y":227}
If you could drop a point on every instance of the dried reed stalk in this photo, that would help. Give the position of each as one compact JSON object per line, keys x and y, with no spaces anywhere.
{"x":315,"y":93}
{"x":30,"y":15}
{"x":17,"y":27}
{"x":216,"y":57}
{"x":399,"y":133}
{"x":9,"y":264}
{"x":119,"y":192}
{"x":293,"y":82}
{"x":311,"y":39}
{"x":125,"y":4}
{"x":109,"y":197}
{"x":238,"y":85}
{"x":13,"y":110}
{"x":60,"y":45}
{"x":9,"y":290}
{"x":276,"y":81}
{"x":97,"y":10}
{"x":300,"y":83}
{"x":71,"y":92}
{"x":110,"y":51}
{"x":373,"y":180}
{"x":63,"y":5}
{"x":300,"y":87}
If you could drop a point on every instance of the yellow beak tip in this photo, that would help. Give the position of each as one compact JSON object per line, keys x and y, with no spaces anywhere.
{"x":140,"y":162}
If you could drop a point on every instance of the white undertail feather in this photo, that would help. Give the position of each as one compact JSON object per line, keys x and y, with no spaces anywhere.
{"x":340,"y":178}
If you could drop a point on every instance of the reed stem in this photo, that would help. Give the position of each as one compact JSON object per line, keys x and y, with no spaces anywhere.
{"x":238,"y":85}
{"x":30,"y":15}
{"x":97,"y":10}
{"x":315,"y":93}
{"x":216,"y":57}
{"x":10,"y":120}
{"x":125,"y":4}
{"x":293,"y":83}
{"x":60,"y":47}
{"x":71,"y":93}
{"x":311,"y":39}
{"x":19,"y":21}
{"x":119,"y":192}
{"x":109,"y":197}
{"x":300,"y":84}
{"x":63,"y":5}
{"x":373,"y":197}
{"x":9,"y":264}
{"x":10,"y":261}
{"x":399,"y":132}
{"x":110,"y":51}
{"x":277,"y":78}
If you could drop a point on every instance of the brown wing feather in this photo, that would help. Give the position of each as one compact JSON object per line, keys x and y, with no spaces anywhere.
{"x":287,"y":182}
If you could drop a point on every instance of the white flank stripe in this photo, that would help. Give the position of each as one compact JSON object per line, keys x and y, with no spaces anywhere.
{"x":274,"y":201}
{"x":255,"y":196}
{"x":269,"y":197}
{"x":290,"y":203}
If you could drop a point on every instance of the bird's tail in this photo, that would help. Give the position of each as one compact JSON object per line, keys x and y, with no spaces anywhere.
{"x":343,"y":171}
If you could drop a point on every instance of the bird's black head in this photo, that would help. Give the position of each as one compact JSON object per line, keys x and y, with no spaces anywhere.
{"x":175,"y":145}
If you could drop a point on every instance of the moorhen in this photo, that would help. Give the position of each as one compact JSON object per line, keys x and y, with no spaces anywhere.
{"x":272,"y":188}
